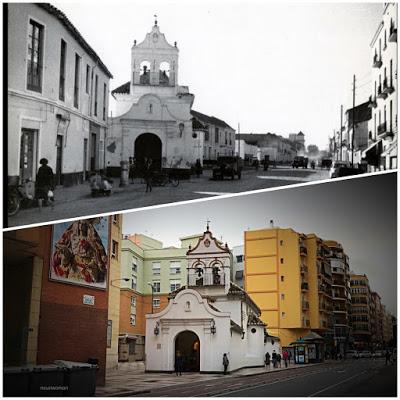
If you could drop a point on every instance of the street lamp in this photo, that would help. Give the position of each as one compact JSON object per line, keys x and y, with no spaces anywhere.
{"x":152,"y":295}
{"x":122,"y":279}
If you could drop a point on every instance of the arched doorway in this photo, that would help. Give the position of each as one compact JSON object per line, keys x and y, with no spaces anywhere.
{"x":188,"y":344}
{"x":150,"y":146}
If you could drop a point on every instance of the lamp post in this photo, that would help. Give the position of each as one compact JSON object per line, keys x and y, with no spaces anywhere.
{"x":122,"y":279}
{"x":152,"y":295}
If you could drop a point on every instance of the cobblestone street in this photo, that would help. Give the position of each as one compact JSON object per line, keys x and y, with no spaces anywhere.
{"x":76,"y":200}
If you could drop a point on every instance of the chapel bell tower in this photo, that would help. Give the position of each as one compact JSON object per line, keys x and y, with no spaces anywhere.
{"x":154,"y":61}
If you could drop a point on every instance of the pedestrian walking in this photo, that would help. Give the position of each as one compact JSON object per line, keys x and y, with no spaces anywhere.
{"x":44,"y":182}
{"x":285,"y":355}
{"x":279,"y":359}
{"x":274,"y":359}
{"x":178,"y":363}
{"x":132,"y":169}
{"x":148,"y":174}
{"x":267,"y":359}
{"x":225,"y":363}
{"x":387,"y":357}
{"x":198,"y":169}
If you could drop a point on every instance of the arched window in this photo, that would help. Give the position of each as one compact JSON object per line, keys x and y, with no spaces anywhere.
{"x":164,"y":73}
{"x":145,"y":73}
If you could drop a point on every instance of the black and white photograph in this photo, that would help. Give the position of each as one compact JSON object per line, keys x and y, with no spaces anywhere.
{"x":192,"y":101}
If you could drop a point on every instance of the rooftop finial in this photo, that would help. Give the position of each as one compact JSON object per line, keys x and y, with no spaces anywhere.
{"x":208,"y":225}
{"x":155,"y":19}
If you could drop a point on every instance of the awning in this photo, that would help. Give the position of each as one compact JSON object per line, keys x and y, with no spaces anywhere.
{"x":391,"y":151}
{"x":369,"y":148}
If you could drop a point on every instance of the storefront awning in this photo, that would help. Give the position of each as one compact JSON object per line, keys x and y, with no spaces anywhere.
{"x":391,"y":151}
{"x":373,"y":146}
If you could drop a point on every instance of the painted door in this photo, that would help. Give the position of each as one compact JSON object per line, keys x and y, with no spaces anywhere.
{"x":27,"y":164}
{"x":59,"y":147}
{"x":85,"y":149}
{"x":93,"y":152}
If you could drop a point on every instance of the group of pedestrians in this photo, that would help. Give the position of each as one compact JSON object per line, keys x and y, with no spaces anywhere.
{"x":277,"y":358}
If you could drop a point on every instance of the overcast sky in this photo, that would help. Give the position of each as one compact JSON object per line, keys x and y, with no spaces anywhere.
{"x":359,"y":213}
{"x":271,"y":67}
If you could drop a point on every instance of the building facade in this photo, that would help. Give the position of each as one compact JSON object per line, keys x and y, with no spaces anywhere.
{"x":361,"y":311}
{"x":57,"y":302}
{"x":57,"y":96}
{"x":207,"y":318}
{"x":149,"y":273}
{"x":341,"y":295}
{"x":219,"y":137}
{"x":277,"y":279}
{"x":383,"y":126}
{"x":153,"y":111}
{"x":238,"y":266}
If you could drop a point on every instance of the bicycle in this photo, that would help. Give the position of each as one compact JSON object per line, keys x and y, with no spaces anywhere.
{"x":162,"y":178}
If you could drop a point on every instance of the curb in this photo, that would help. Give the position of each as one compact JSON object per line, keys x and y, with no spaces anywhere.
{"x":125,"y":394}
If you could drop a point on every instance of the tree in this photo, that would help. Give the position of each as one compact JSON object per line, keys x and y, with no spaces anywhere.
{"x":312,"y":150}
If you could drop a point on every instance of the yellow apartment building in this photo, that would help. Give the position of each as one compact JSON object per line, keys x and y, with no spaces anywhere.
{"x":277,"y":279}
{"x":320,"y":286}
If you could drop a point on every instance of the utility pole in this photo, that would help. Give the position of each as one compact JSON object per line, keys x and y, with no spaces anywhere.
{"x":353,"y":117}
{"x":341,"y":126}
{"x":239,"y":139}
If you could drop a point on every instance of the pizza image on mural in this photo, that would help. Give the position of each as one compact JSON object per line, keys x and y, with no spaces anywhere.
{"x":79,"y":255}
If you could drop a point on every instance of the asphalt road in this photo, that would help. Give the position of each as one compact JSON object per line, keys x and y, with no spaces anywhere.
{"x":76,"y":201}
{"x":352,"y":378}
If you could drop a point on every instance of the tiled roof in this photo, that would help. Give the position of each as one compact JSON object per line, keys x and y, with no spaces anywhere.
{"x":237,"y":291}
{"x":209,"y":120}
{"x":75,"y":33}
{"x":123,"y":89}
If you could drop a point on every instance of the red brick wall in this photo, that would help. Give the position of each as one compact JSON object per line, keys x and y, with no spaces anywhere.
{"x":68,"y":329}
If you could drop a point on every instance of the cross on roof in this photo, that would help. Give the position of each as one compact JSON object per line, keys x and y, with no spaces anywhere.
{"x":155,"y":19}
{"x":208,"y":225}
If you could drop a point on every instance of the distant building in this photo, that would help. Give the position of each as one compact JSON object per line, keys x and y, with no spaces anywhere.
{"x":278,"y":148}
{"x":299,"y":140}
{"x":381,"y":153}
{"x":352,"y":148}
{"x":361,"y":311}
{"x":57,"y":96}
{"x":218,"y":139}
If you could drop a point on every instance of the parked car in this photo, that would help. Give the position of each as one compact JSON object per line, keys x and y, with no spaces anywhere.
{"x":378,"y":354}
{"x":365,"y":354}
{"x":300,"y":162}
{"x":228,"y":166}
{"x":326,"y":163}
{"x":352,"y":354}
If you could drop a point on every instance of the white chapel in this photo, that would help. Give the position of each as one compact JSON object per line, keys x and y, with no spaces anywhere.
{"x":153,"y":117}
{"x":206,"y":318}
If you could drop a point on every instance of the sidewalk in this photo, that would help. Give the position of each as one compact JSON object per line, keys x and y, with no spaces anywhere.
{"x":134,"y":382}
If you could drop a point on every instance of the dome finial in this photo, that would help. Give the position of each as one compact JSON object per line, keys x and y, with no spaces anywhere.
{"x":155,"y":19}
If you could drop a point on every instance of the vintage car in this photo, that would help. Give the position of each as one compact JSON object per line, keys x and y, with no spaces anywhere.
{"x":228,"y":166}
{"x":300,"y":162}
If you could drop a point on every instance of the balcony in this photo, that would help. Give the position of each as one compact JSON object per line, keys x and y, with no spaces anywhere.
{"x":388,"y":86}
{"x":372,"y":102}
{"x":303,"y":250}
{"x":303,"y":269}
{"x":305,"y":305}
{"x":377,"y":61}
{"x":338,"y":309}
{"x":381,"y":94}
{"x":392,"y":34}
{"x":304,"y":286}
